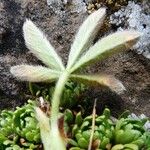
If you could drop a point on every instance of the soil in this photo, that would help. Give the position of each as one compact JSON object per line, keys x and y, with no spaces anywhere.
{"x":60,"y":22}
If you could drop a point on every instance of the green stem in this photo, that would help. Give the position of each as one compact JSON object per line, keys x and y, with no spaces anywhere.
{"x":56,"y":141}
{"x":57,"y":95}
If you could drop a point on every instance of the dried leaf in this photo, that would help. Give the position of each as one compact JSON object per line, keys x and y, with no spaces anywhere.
{"x":93,"y":126}
{"x":104,"y":80}
{"x":61,"y":127}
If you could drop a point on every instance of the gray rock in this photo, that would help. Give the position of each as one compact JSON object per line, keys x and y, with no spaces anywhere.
{"x":78,"y":6}
{"x":135,"y":16}
{"x":4,"y":21}
{"x":50,"y":2}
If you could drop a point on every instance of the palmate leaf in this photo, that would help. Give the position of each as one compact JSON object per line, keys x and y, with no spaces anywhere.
{"x":38,"y":44}
{"x":109,"y":45}
{"x":86,"y":35}
{"x":81,"y":54}
{"x":34,"y":73}
{"x":103,"y":80}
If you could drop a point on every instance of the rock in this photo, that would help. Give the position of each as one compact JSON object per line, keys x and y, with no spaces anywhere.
{"x":50,"y":2}
{"x":3,"y":23}
{"x":60,"y":23}
{"x":135,"y":16}
{"x":78,"y":6}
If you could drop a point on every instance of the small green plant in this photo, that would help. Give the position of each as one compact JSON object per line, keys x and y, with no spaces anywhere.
{"x":112,"y":134}
{"x":71,"y":97}
{"x":83,"y":52}
{"x":19,"y":129}
{"x":81,"y":132}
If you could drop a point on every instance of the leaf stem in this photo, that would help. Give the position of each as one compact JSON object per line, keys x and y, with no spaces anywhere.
{"x":56,"y":141}
{"x":57,"y":95}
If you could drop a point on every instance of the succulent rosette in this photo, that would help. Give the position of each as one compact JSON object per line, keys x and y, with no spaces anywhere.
{"x":129,"y":134}
{"x":19,"y":129}
{"x":103,"y":132}
{"x":125,"y":133}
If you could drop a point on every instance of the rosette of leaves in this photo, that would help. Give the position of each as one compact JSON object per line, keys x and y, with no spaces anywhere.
{"x":82,"y":129}
{"x":130,"y":134}
{"x":26,"y":124}
{"x":146,"y":139}
{"x":6,"y":129}
{"x":109,"y":134}
{"x":83,"y":52}
{"x":19,"y":129}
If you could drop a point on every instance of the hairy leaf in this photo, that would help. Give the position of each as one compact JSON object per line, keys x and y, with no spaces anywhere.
{"x":104,"y":80}
{"x":111,"y":44}
{"x":85,"y":35}
{"x":38,"y":44}
{"x":44,"y":126}
{"x":34,"y":73}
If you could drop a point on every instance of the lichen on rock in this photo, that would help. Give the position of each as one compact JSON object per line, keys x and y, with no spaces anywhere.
{"x":135,"y":16}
